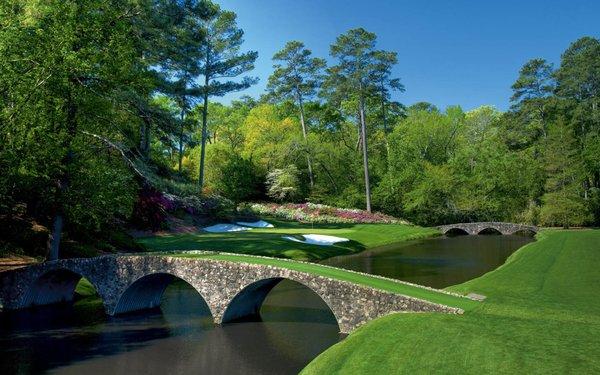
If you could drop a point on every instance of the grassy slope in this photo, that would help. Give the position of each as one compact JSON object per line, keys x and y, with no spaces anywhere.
{"x":542,"y":315}
{"x":268,"y":241}
{"x":357,"y":278}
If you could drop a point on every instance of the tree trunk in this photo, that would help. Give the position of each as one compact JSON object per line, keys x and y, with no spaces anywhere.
{"x":363,"y":126}
{"x":181,"y":142}
{"x":383,"y":114}
{"x":359,"y":127}
{"x":304,"y":133}
{"x":204,"y":136}
{"x":53,"y":245}
{"x":145,"y":136}
{"x":207,"y":74}
{"x":385,"y":128}
{"x":54,"y":238}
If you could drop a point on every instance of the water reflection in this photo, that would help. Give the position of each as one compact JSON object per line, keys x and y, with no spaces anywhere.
{"x":178,"y":338}
{"x":436,"y":262}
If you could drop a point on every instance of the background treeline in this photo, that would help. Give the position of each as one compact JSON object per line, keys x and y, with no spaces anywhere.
{"x":107,"y":107}
{"x":537,"y":163}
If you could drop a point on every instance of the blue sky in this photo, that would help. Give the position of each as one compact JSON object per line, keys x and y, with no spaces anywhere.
{"x":454,"y":52}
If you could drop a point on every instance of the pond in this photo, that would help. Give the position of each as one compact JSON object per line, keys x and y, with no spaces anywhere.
{"x":179,"y":338}
{"x":436,"y":262}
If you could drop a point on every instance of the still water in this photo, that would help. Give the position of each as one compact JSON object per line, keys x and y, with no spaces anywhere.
{"x":179,"y":338}
{"x":436,"y":262}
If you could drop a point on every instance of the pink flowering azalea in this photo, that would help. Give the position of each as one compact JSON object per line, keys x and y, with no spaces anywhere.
{"x":318,"y":213}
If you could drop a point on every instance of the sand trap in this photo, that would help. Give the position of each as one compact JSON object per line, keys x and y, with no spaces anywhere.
{"x":318,"y":239}
{"x":256,"y":224}
{"x":225,"y":228}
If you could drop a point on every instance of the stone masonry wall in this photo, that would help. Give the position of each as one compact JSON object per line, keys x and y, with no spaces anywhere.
{"x":476,"y":228}
{"x":218,"y":282}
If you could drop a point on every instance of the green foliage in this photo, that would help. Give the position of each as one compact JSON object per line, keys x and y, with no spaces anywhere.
{"x":100,"y":98}
{"x":296,"y":75}
{"x":220,"y":62}
{"x":563,"y":201}
{"x":81,"y":100}
{"x":535,"y":81}
{"x":360,"y":71}
{"x":237,"y":179}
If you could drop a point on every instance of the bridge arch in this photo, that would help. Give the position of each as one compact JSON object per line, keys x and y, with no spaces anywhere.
{"x":130,"y":282}
{"x":147,"y":291}
{"x":477,"y":228}
{"x":525,"y":231}
{"x":53,"y":286}
{"x":456,"y":232}
{"x":247,"y":302}
{"x":490,"y":231}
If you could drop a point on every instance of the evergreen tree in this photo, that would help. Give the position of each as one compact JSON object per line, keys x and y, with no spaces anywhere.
{"x":358,"y":63}
{"x":221,"y":60}
{"x":384,"y":61}
{"x":562,"y":202}
{"x":297,"y":77}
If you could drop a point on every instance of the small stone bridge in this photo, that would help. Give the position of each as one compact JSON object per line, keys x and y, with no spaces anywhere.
{"x":231,"y":289}
{"x":476,"y":228}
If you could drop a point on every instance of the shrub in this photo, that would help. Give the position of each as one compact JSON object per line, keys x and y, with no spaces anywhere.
{"x":238,"y":179}
{"x":319,"y":213}
{"x":214,"y":206}
{"x":150,"y":210}
{"x":283,"y":184}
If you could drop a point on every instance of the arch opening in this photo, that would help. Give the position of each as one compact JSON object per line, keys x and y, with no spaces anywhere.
{"x":278,"y":300}
{"x":453,"y":232}
{"x":489,"y":232}
{"x":57,"y":286}
{"x":149,"y":292}
{"x":525,"y":232}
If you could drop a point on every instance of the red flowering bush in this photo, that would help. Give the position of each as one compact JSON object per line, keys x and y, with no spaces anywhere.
{"x":150,"y":210}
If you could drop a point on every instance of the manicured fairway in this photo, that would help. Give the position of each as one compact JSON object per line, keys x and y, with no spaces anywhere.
{"x":542,"y":315}
{"x":354,"y":277}
{"x":269,"y":241}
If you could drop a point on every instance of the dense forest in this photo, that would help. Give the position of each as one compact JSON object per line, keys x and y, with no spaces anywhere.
{"x":110,"y":116}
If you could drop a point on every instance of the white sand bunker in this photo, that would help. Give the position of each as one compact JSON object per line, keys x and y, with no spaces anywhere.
{"x":318,"y":239}
{"x":225,"y":228}
{"x":256,"y":224}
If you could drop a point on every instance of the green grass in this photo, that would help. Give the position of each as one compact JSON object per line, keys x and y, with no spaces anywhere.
{"x":341,"y":274}
{"x":542,"y":315}
{"x":84,"y":288}
{"x":269,"y":241}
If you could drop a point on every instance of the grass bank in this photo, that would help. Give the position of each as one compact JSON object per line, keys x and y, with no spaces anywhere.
{"x":542,"y":315}
{"x":269,"y":241}
{"x":345,"y":275}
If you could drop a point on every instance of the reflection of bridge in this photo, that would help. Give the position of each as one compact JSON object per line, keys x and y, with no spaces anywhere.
{"x":476,"y":228}
{"x":231,"y":289}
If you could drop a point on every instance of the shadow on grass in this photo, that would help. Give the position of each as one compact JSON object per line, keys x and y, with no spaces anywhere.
{"x":266,"y":244}
{"x":284,"y":224}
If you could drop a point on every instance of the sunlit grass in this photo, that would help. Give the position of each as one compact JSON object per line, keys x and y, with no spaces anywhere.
{"x":269,"y":241}
{"x":542,"y":315}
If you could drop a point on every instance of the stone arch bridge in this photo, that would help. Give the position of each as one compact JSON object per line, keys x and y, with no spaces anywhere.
{"x":476,"y":228}
{"x":232,"y":290}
